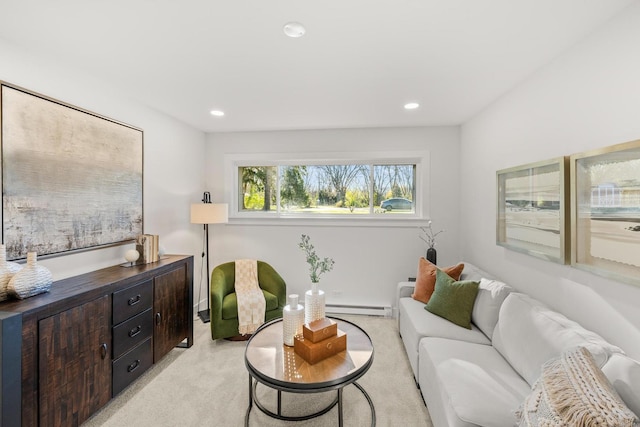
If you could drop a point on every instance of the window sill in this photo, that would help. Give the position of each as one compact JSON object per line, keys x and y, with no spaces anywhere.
{"x":362,"y":221}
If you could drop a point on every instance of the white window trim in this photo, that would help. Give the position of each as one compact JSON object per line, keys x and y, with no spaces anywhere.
{"x":422,"y":191}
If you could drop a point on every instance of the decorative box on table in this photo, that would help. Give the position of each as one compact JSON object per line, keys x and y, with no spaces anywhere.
{"x":329,"y":341}
{"x":320,"y":329}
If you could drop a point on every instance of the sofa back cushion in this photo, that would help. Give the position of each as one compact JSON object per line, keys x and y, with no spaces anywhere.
{"x":471,"y":272}
{"x":624,"y":375}
{"x":491,"y":295}
{"x":528,"y":334}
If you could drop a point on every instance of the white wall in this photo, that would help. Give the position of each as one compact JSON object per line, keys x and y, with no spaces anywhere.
{"x":173,"y":156}
{"x":587,"y":98}
{"x":369,"y":262}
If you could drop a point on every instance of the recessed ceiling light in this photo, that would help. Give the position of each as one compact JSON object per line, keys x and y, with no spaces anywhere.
{"x":217,"y":113}
{"x":411,"y":106}
{"x":294,"y":29}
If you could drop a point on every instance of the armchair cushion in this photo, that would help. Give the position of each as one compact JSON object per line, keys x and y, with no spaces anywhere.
{"x":230,"y":304}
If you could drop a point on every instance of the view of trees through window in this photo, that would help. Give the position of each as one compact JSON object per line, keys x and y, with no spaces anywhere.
{"x":328,"y":189}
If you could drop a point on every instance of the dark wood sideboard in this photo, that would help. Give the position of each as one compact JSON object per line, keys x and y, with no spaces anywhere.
{"x":89,"y":338}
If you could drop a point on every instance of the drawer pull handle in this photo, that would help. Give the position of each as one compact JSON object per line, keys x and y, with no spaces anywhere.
{"x":158,"y":318}
{"x":133,"y":366}
{"x":103,"y":351}
{"x":135,"y":331}
{"x":134,"y":300}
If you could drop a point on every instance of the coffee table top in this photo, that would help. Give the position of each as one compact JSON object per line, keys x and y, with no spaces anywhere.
{"x":277,"y":365}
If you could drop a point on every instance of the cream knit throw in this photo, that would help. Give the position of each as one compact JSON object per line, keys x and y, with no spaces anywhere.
{"x":251,"y":303}
{"x":572,"y":391}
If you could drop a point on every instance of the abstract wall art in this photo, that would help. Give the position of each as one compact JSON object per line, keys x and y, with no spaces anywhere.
{"x":71,"y":180}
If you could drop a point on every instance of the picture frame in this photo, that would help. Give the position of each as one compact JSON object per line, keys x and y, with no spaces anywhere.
{"x":531,"y":215}
{"x":605,"y":220}
{"x":72,"y":180}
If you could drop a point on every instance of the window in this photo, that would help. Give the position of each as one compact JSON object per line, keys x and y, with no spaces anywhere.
{"x":280,"y":188}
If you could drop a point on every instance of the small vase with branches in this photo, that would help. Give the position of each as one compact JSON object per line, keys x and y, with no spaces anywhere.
{"x":429,"y":237}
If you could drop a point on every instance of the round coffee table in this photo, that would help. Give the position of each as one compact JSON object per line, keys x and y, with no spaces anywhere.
{"x":279,"y":367}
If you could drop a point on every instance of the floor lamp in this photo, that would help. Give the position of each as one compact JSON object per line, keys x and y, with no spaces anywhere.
{"x":208,"y":213}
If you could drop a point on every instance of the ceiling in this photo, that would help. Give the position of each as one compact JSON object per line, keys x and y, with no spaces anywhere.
{"x":358,"y":64}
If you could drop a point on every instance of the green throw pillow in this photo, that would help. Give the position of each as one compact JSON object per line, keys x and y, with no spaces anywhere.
{"x":453,"y":300}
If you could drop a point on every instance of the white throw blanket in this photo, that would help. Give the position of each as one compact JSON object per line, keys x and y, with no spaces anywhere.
{"x":251,"y":303}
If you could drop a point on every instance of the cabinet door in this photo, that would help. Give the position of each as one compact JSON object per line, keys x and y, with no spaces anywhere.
{"x":170,"y":303}
{"x":74,"y":363}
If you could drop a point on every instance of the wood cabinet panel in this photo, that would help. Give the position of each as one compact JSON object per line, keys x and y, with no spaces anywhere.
{"x":170,"y":295}
{"x":75,"y":363}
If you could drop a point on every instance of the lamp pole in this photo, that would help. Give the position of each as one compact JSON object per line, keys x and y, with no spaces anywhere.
{"x":204,"y":315}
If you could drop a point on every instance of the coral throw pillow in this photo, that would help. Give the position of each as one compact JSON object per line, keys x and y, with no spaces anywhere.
{"x":426,"y":279}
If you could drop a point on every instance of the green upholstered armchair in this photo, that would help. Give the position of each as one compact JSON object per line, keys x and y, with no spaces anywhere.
{"x":224,"y":303}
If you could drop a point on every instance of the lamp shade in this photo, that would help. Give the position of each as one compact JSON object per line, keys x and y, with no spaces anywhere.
{"x":209,"y":213}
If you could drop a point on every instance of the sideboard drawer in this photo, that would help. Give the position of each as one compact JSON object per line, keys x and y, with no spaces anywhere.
{"x":132,"y":332}
{"x":131,"y":365}
{"x":131,"y":301}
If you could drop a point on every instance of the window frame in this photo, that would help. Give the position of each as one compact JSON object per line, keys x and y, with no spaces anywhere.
{"x":232,"y":162}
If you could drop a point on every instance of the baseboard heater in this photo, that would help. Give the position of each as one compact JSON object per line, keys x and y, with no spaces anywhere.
{"x":369,"y":310}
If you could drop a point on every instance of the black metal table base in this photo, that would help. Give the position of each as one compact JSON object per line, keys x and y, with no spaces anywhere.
{"x":337,"y":401}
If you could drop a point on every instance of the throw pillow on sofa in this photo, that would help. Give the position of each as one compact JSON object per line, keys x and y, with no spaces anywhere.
{"x":491,"y":295}
{"x":452,"y":299}
{"x":573,"y":391}
{"x":426,"y":278}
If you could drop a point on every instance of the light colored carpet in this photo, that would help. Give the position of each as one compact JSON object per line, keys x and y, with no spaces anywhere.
{"x":207,"y":385}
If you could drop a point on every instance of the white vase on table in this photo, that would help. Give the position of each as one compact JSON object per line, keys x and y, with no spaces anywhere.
{"x":314,"y":304}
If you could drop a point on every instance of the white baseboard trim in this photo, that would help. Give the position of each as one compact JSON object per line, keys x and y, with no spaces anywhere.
{"x":382,"y":311}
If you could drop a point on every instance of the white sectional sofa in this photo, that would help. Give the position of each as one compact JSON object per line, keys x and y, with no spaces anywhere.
{"x":481,"y":376}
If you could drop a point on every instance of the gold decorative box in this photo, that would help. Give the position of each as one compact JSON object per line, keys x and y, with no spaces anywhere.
{"x":319,"y":330}
{"x":315,"y":352}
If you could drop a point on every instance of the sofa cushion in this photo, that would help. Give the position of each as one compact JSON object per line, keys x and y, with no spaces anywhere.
{"x":416,"y":323}
{"x":491,"y":295}
{"x":453,"y":300}
{"x":426,"y":278}
{"x":528,"y":334}
{"x":624,"y":374}
{"x":468,"y":384}
{"x":572,"y":390}
{"x":472,"y":272}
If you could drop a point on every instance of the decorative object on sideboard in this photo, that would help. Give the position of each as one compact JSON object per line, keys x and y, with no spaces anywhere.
{"x":292,"y":320}
{"x":429,"y":237}
{"x":32,"y":280}
{"x":314,"y":300}
{"x":147,"y":246}
{"x":131,"y":256}
{"x":208,"y":213}
{"x":7,"y":271}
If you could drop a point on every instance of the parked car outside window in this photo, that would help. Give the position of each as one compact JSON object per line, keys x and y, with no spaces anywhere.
{"x":396,"y":203}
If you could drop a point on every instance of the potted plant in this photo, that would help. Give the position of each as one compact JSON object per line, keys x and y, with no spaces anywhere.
{"x":316,"y":265}
{"x":314,"y":298}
